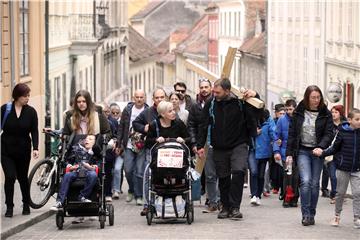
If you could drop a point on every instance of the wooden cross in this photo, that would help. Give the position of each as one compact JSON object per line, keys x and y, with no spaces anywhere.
{"x":229,"y":59}
{"x":202,"y":71}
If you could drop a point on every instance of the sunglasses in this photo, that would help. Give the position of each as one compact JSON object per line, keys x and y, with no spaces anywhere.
{"x":204,"y":80}
{"x":181,"y":91}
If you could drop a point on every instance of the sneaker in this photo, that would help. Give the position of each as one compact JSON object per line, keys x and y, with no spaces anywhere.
{"x":258,"y":201}
{"x":129,"y":197}
{"x":312,"y":221}
{"x":108,"y":199}
{"x":305,"y":221}
{"x":357,"y":223}
{"x":56,"y":206}
{"x":253,"y":200}
{"x":266,"y":194}
{"x":332,"y":200}
{"x":224,"y":213}
{"x":325,"y":193}
{"x":235,"y":214}
{"x":144,"y":211}
{"x":115,"y":195}
{"x":335,"y":221}
{"x":210,"y":209}
{"x":85,"y":200}
{"x":78,"y":220}
{"x":139,"y":201}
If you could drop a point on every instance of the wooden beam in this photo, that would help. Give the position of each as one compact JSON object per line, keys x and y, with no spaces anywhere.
{"x":229,"y":60}
{"x":202,"y":71}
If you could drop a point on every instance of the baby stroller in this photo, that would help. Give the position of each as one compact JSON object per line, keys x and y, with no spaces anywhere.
{"x":170,"y":182}
{"x":72,"y":207}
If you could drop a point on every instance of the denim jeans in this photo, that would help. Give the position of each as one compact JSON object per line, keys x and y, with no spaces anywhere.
{"x":211,"y":178}
{"x":119,"y":161}
{"x":257,"y":174}
{"x":134,"y":166}
{"x":69,"y":177}
{"x":310,"y":168}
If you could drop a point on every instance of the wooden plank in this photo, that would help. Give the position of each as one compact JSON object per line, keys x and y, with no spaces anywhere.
{"x":229,"y":60}
{"x":213,"y":77}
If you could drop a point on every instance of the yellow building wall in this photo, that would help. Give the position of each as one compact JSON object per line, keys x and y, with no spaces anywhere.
{"x":136,"y":5}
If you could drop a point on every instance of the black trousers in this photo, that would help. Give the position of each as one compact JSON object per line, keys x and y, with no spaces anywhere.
{"x":16,"y":167}
{"x":109,"y":165}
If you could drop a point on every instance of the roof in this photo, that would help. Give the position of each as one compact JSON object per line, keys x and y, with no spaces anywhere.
{"x":149,"y":8}
{"x":139,"y":47}
{"x":254,"y":45}
{"x":197,"y":40}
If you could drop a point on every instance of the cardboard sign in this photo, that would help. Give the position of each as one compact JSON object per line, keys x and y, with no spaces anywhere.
{"x":170,"y":158}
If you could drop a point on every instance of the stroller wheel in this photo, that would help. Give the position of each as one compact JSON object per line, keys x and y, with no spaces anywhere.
{"x":149,"y":217}
{"x":102,"y":219}
{"x":190,"y":214}
{"x":60,"y":220}
{"x":111,"y":214}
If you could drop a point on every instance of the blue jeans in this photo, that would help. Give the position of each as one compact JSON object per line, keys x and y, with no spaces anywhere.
{"x":134,"y":166}
{"x":310,"y":168}
{"x":119,"y":162}
{"x":69,"y":177}
{"x":211,"y":179}
{"x":257,"y":174}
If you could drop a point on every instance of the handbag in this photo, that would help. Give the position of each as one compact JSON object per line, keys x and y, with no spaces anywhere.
{"x":137,"y":141}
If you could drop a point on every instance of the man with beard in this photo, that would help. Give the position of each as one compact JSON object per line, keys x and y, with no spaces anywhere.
{"x":185,"y":100}
{"x":229,"y":123}
{"x":194,"y":121}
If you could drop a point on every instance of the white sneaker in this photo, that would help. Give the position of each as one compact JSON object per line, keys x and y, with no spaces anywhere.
{"x":253,"y":200}
{"x":108,"y":199}
{"x":115,"y":195}
{"x":139,"y":202}
{"x":357,"y":223}
{"x":258,"y":201}
{"x":56,"y":206}
{"x":336,"y":221}
{"x":129,"y":197}
{"x":85,"y":200}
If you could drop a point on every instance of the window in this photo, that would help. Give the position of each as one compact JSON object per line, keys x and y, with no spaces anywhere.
{"x":24,"y":37}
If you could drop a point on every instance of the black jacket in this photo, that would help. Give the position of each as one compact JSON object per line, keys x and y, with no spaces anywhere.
{"x":235,"y":123}
{"x":145,"y":117}
{"x":347,"y":147}
{"x":194,"y":120}
{"x":124,"y":126}
{"x":177,"y":129}
{"x":323,"y":129}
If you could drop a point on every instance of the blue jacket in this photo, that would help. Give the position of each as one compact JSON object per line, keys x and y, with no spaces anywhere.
{"x":264,"y":141}
{"x":347,"y":144}
{"x":282,"y":132}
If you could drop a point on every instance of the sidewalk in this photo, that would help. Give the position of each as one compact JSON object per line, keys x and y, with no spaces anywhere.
{"x":19,"y":222}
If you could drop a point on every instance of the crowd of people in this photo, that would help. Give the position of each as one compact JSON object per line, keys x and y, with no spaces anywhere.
{"x":285,"y":155}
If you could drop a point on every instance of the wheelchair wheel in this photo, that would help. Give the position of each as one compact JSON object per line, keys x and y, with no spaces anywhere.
{"x":60,"y":220}
{"x":102,"y":219}
{"x":41,"y":183}
{"x":111,"y":214}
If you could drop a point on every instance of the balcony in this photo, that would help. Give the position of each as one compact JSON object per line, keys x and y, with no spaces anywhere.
{"x":84,"y":40}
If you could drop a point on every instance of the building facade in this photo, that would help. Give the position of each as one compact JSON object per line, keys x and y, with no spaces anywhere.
{"x":295,"y":48}
{"x":342,"y":50}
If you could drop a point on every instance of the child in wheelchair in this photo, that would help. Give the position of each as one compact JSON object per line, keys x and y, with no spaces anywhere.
{"x":81,"y":163}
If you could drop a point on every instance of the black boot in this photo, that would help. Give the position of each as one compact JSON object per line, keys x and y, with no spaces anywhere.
{"x":26,"y":210}
{"x":9,"y":212}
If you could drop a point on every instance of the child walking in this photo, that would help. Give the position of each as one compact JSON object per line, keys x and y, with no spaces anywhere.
{"x":347,"y":143}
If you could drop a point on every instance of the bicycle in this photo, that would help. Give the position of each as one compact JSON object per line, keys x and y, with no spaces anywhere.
{"x":44,"y":177}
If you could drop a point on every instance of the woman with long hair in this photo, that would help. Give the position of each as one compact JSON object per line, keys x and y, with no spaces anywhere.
{"x":311,"y":127}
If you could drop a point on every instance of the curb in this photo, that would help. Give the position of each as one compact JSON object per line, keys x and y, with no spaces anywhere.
{"x":23,"y":226}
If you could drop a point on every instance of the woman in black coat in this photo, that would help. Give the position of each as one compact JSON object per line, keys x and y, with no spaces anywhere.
{"x":21,"y":121}
{"x":310,"y":128}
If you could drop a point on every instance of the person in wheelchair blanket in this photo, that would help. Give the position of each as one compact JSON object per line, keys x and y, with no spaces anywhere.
{"x":81,"y":163}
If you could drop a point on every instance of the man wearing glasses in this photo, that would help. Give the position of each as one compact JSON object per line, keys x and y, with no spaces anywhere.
{"x":185,"y":100}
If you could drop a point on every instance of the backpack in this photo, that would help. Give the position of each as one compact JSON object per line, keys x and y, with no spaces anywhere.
{"x":6,"y":114}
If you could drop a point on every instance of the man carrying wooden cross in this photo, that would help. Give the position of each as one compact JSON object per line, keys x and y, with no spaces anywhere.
{"x":230,"y":124}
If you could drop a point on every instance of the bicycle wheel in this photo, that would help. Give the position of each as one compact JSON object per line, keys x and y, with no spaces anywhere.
{"x":41,"y":183}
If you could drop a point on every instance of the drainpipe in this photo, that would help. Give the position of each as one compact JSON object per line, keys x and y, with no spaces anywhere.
{"x":94,"y":55}
{"x":12,"y":41}
{"x":47,"y":82}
